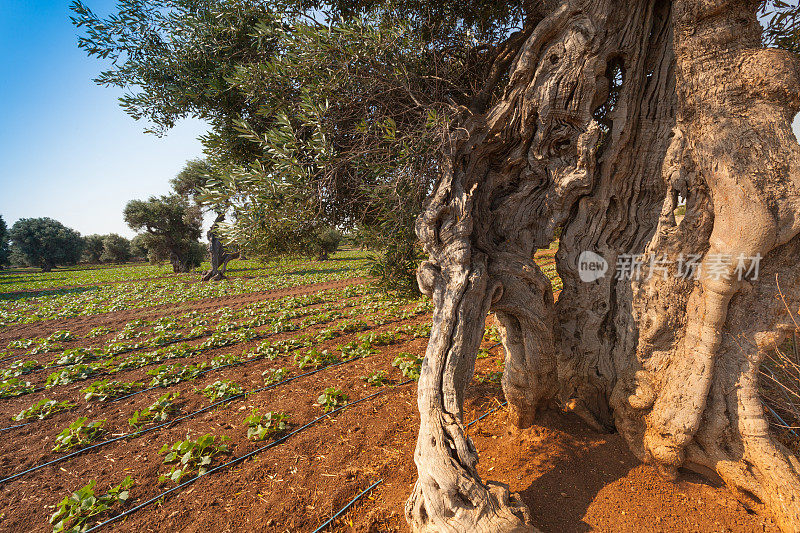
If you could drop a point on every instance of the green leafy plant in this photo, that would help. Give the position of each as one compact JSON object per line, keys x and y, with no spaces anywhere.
{"x":98,"y":332}
{"x":159,"y":411}
{"x":219,"y":390}
{"x":192,"y":454}
{"x":379,"y":339}
{"x":166,"y":375}
{"x":376,"y":379}
{"x":331,"y":398}
{"x":74,"y":510}
{"x":274,"y":376}
{"x":314,"y":358}
{"x":491,"y":377}
{"x":19,"y":368}
{"x":260,"y":426}
{"x":104,"y":389}
{"x":60,"y":335}
{"x":79,"y":433}
{"x":69,"y":375}
{"x":43,"y":409}
{"x":14,"y":387}
{"x":76,"y":356}
{"x":353,"y":350}
{"x":224,"y":360}
{"x":409,"y":365}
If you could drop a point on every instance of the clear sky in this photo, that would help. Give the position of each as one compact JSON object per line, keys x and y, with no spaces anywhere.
{"x":67,"y":150}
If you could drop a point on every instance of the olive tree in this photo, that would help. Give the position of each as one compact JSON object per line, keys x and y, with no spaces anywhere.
{"x":45,"y":243}
{"x":172,"y":227}
{"x":92,"y":248}
{"x":5,"y":250}
{"x":116,"y":249}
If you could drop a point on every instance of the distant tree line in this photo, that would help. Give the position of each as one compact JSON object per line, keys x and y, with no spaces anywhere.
{"x":169,"y":235}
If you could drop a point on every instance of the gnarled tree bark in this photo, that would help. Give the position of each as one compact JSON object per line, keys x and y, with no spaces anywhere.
{"x":613,"y":110}
{"x":219,"y":256}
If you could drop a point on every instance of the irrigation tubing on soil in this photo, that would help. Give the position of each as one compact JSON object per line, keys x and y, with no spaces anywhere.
{"x":346,"y":507}
{"x":236,"y":461}
{"x":487,"y":413}
{"x":368,"y":489}
{"x":184,"y":417}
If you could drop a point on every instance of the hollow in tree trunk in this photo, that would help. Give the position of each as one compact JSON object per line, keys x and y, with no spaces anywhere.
{"x":614,"y":110}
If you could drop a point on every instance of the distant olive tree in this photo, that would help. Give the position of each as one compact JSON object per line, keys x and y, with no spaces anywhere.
{"x":172,"y":227}
{"x":116,"y":249}
{"x":45,"y":243}
{"x":92,"y":248}
{"x":5,"y":251}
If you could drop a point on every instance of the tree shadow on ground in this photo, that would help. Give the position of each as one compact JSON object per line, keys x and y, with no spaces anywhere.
{"x":22,"y":295}
{"x":577,"y":464}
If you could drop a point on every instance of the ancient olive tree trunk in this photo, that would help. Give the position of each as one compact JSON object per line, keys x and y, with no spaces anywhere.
{"x":613,"y":110}
{"x":219,"y":256}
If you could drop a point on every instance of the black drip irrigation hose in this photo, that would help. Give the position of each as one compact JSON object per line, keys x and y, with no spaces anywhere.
{"x":346,"y":507}
{"x":368,"y":489}
{"x":184,"y":417}
{"x":487,"y":413}
{"x":235,"y":461}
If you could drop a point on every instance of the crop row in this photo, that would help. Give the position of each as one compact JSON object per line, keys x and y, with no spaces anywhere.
{"x":170,"y":329}
{"x":147,"y":293}
{"x":86,"y":364}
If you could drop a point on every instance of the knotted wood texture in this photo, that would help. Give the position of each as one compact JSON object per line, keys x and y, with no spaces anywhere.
{"x":614,"y":108}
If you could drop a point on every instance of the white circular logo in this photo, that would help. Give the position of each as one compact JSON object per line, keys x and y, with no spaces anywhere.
{"x":591,"y":266}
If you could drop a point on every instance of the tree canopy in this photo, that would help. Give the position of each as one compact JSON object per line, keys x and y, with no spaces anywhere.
{"x":5,"y":251}
{"x":45,"y":243}
{"x":172,"y":227}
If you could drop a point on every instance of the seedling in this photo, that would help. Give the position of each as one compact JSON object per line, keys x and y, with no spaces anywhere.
{"x":98,"y":332}
{"x":260,"y":426}
{"x":274,"y":376}
{"x":43,"y":409}
{"x":75,"y":510}
{"x":14,"y":387}
{"x":166,"y":375}
{"x":224,"y":360}
{"x":192,"y":454}
{"x":79,"y":433}
{"x":379,"y":339}
{"x":104,"y":390}
{"x":19,"y":368}
{"x":376,"y":379}
{"x":315,"y":359}
{"x":353,"y":350}
{"x":491,"y":377}
{"x":332,"y":398}
{"x":409,"y":365}
{"x":220,"y":390}
{"x":69,"y":375}
{"x":157,"y":412}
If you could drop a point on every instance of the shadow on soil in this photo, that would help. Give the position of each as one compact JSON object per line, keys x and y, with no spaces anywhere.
{"x":586,"y":462}
{"x":21,"y":295}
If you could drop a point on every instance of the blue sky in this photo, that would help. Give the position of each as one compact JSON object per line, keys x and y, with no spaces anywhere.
{"x":67,"y":150}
